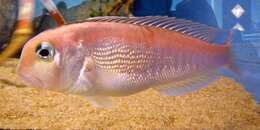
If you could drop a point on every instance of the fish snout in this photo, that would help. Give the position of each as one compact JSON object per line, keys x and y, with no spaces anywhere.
{"x":29,"y":78}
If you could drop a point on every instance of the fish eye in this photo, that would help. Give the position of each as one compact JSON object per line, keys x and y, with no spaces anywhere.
{"x":45,"y":51}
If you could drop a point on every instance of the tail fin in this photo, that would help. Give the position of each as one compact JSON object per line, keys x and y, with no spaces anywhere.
{"x":245,"y":65}
{"x":232,"y":65}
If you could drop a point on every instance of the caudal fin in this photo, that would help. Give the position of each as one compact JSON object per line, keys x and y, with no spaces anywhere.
{"x":245,"y":66}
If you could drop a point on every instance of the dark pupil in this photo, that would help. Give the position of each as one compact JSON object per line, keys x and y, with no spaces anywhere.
{"x":44,"y":52}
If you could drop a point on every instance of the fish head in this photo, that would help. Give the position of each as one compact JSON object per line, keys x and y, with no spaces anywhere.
{"x":40,"y":61}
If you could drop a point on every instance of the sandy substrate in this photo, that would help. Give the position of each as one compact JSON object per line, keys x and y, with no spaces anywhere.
{"x":223,"y":105}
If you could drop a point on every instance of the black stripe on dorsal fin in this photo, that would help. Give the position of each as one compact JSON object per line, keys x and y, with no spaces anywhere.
{"x":187,"y":27}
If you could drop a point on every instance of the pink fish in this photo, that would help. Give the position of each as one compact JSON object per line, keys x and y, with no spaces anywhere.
{"x":120,"y":56}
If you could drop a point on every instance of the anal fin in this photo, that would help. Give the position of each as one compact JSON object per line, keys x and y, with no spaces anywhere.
{"x":187,"y":85}
{"x":100,"y":101}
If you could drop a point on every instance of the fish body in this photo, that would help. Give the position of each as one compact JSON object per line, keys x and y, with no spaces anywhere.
{"x":103,"y":57}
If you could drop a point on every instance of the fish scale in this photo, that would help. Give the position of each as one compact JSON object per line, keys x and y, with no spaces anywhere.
{"x":121,"y":59}
{"x":141,"y":64}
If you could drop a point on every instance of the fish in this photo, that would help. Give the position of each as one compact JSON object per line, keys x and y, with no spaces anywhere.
{"x":54,"y":12}
{"x":114,"y":56}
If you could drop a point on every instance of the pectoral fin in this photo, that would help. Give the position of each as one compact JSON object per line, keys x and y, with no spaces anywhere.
{"x":100,"y":101}
{"x":188,"y":85}
{"x":85,"y":81}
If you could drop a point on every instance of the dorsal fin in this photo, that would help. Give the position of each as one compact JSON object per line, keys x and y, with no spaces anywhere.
{"x":187,"y":27}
